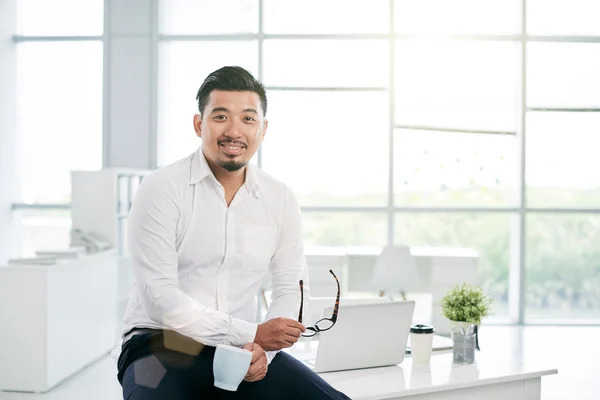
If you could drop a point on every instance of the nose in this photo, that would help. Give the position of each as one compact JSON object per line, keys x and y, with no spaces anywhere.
{"x":234,"y":129}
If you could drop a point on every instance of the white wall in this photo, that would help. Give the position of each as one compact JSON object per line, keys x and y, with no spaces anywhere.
{"x":8,"y":129}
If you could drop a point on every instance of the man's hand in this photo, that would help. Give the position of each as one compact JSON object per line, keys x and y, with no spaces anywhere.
{"x":278,"y":333}
{"x":258,"y":365}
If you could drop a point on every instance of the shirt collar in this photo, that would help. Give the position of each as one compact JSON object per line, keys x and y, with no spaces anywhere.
{"x":200,"y":170}
{"x":252,"y":182}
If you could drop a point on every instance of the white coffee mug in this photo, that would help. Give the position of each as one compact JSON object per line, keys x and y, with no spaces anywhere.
{"x":421,"y":343}
{"x":230,"y":365}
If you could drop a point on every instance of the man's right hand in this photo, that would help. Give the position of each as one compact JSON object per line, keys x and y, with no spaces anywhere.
{"x":278,"y":333}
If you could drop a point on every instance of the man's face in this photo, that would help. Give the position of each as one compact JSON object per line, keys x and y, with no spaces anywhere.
{"x":231,"y":127}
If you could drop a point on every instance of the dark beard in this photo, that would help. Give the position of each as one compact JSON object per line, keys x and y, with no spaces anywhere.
{"x":231,"y":165}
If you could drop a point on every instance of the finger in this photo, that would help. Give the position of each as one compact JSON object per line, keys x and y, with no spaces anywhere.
{"x":290,"y":338}
{"x":253,"y":370}
{"x":292,"y":323}
{"x":254,"y":377}
{"x":256,"y":356}
{"x":257,"y":378}
{"x":249,"y":375}
{"x":248,"y":346}
{"x":293,"y":332}
{"x":259,"y":374}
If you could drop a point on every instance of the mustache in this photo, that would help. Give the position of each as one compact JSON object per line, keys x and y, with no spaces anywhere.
{"x":231,"y":141}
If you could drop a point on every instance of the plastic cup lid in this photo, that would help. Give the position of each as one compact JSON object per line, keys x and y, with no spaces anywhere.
{"x":419,"y":328}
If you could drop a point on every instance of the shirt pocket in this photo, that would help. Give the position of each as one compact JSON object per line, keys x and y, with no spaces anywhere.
{"x":259,"y":244}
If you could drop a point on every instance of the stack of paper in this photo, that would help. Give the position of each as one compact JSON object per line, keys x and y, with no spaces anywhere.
{"x":70,"y":253}
{"x":33,"y":261}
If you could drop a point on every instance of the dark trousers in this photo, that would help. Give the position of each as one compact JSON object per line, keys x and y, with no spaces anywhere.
{"x":161,"y":365}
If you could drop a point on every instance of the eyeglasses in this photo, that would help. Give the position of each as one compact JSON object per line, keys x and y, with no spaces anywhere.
{"x":324,"y":324}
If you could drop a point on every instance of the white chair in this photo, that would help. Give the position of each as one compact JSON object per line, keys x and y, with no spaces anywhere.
{"x":396,"y":271}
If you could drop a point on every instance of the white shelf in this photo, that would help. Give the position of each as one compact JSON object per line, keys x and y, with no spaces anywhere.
{"x":101,"y":201}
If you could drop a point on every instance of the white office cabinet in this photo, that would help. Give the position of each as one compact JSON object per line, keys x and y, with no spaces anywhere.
{"x":56,"y":319}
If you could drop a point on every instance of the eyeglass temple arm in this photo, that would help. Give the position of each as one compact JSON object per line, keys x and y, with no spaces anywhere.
{"x":301,"y":300}
{"x":337,"y":299}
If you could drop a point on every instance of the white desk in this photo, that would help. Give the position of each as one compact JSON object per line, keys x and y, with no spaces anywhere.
{"x":489,"y":378}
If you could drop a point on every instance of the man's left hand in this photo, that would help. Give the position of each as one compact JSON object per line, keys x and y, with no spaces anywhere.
{"x":258,"y":365}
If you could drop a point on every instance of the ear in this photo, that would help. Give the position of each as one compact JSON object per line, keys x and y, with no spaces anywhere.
{"x":198,"y":125}
{"x":265,"y":126}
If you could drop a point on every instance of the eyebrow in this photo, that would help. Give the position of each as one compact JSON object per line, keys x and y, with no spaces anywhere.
{"x":223,"y":109}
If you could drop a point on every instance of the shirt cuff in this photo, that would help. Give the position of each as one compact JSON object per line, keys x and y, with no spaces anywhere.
{"x":242,"y":332}
{"x":270,"y":356}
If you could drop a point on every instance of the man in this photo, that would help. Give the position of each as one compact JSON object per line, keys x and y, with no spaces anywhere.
{"x":203,"y":232}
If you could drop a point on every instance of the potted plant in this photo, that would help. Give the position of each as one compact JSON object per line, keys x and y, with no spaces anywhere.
{"x":465,"y":305}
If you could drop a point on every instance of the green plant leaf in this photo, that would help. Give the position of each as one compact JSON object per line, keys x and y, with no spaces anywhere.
{"x":466,"y":303}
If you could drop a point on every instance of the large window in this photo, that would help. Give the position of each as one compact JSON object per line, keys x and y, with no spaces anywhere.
{"x":472,"y":126}
{"x":486,"y":233}
{"x":60,"y":116}
{"x":562,"y":159}
{"x":457,"y":84}
{"x":454,"y":169}
{"x":343,"y":159}
{"x":59,"y":106}
{"x":60,"y":18}
{"x":563,"y":266}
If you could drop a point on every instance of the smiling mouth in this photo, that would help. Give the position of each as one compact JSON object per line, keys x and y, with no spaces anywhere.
{"x":232,"y":148}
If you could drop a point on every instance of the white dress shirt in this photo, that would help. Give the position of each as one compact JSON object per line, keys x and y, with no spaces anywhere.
{"x":198,"y":264}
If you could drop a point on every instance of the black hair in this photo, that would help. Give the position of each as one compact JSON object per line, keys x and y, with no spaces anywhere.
{"x":231,"y":79}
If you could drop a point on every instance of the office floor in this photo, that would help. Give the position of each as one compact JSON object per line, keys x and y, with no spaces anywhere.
{"x":574,"y":351}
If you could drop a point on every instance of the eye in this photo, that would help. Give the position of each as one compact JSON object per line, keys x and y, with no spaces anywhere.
{"x":220,"y":117}
{"x":249,"y":119}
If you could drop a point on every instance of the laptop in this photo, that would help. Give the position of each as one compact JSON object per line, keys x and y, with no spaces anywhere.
{"x":364,"y":336}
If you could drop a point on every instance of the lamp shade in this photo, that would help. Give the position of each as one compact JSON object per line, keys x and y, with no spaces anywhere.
{"x":395,"y":270}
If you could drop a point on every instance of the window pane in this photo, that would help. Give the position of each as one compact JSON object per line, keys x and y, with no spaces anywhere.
{"x":487,"y":234}
{"x":562,"y":159}
{"x":563,"y":17}
{"x":457,"y":16}
{"x":44,"y":230}
{"x":327,"y":63}
{"x":344,"y":229}
{"x":60,"y":17}
{"x":563,"y":272}
{"x":563,"y":75}
{"x":335,"y":152}
{"x":193,"y":17}
{"x":183,"y":66}
{"x":454,"y":169}
{"x":468,"y":85}
{"x":60,"y":115}
{"x":333,"y":16}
